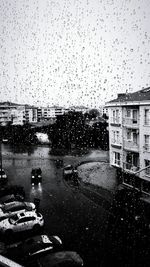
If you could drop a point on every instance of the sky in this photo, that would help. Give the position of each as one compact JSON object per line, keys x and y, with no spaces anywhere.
{"x":73,"y":52}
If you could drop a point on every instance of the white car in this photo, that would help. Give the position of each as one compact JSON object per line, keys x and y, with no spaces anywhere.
{"x":22,"y":222}
{"x":9,"y":209}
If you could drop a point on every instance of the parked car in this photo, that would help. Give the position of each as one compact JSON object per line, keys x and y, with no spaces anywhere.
{"x":32,"y":247}
{"x":11,"y":198}
{"x":12,"y":189}
{"x":4,"y":261}
{"x":36,"y":175}
{"x":3,"y":176}
{"x":61,"y":259}
{"x":21,"y":222}
{"x":9,"y":209}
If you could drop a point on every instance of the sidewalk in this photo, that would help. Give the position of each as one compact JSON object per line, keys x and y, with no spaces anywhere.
{"x":98,"y":173}
{"x":97,"y":177}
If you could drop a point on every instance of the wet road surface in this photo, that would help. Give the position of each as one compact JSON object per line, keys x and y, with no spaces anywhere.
{"x":82,"y":219}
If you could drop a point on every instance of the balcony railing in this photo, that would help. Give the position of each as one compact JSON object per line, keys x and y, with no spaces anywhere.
{"x":131,"y":145}
{"x":130,"y":167}
{"x":115,"y":120}
{"x":130,"y":121}
{"x":115,"y":141}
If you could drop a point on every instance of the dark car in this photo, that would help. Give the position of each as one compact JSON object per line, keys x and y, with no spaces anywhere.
{"x":16,"y":190}
{"x":10,"y":198}
{"x":69,"y":171}
{"x":32,"y":247}
{"x":61,"y":259}
{"x":36,"y":175}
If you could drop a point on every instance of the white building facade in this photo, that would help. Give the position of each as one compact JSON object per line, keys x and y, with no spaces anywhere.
{"x":11,"y":113}
{"x":30,"y":114}
{"x":129,"y":138}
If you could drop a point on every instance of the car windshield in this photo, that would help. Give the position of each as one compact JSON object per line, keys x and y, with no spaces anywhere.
{"x":68,"y":168}
{"x":2,"y":172}
{"x":36,"y":171}
{"x":13,"y":219}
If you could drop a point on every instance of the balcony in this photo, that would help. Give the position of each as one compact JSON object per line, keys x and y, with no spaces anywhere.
{"x":130,"y":167}
{"x":115,"y":143}
{"x":130,"y":122}
{"x":130,"y":145}
{"x":115,"y":121}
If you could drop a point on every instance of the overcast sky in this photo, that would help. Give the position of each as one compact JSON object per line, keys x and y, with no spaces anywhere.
{"x":73,"y":52}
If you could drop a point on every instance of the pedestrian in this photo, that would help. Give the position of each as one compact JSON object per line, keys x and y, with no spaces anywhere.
{"x":37,"y":203}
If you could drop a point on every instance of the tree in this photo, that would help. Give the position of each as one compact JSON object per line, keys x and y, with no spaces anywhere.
{"x":94,"y":113}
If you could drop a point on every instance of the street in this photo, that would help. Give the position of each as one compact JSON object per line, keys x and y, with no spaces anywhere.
{"x":80,"y":218}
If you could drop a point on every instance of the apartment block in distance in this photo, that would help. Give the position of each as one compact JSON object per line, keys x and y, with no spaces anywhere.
{"x":129,"y":138}
{"x":11,"y":113}
{"x":30,"y":114}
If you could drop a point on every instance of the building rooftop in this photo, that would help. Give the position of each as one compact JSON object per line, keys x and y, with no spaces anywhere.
{"x":141,"y":95}
{"x":7,"y":103}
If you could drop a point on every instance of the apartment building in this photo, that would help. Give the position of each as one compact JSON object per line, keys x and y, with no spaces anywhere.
{"x":46,"y":113}
{"x":11,"y":113}
{"x":30,"y":114}
{"x":129,"y":138}
{"x":82,"y":109}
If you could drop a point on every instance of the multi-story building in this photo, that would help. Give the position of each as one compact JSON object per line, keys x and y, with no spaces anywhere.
{"x":30,"y":114}
{"x":78,"y":109}
{"x":47,"y":113}
{"x":18,"y":115}
{"x":11,"y":113}
{"x":129,"y":138}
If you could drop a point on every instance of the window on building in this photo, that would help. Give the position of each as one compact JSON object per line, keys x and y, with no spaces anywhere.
{"x":129,"y":135}
{"x":115,"y":138}
{"x":135,"y":137}
{"x":147,"y":142}
{"x":128,"y":113}
{"x":116,"y":158}
{"x":132,"y":135}
{"x":135,"y":115}
{"x":116,"y":116}
{"x":147,"y":163}
{"x":147,"y":116}
{"x":132,"y":160}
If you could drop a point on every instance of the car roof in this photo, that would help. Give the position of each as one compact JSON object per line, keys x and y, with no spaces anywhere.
{"x":13,"y":204}
{"x":6,"y":197}
{"x":26,"y":214}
